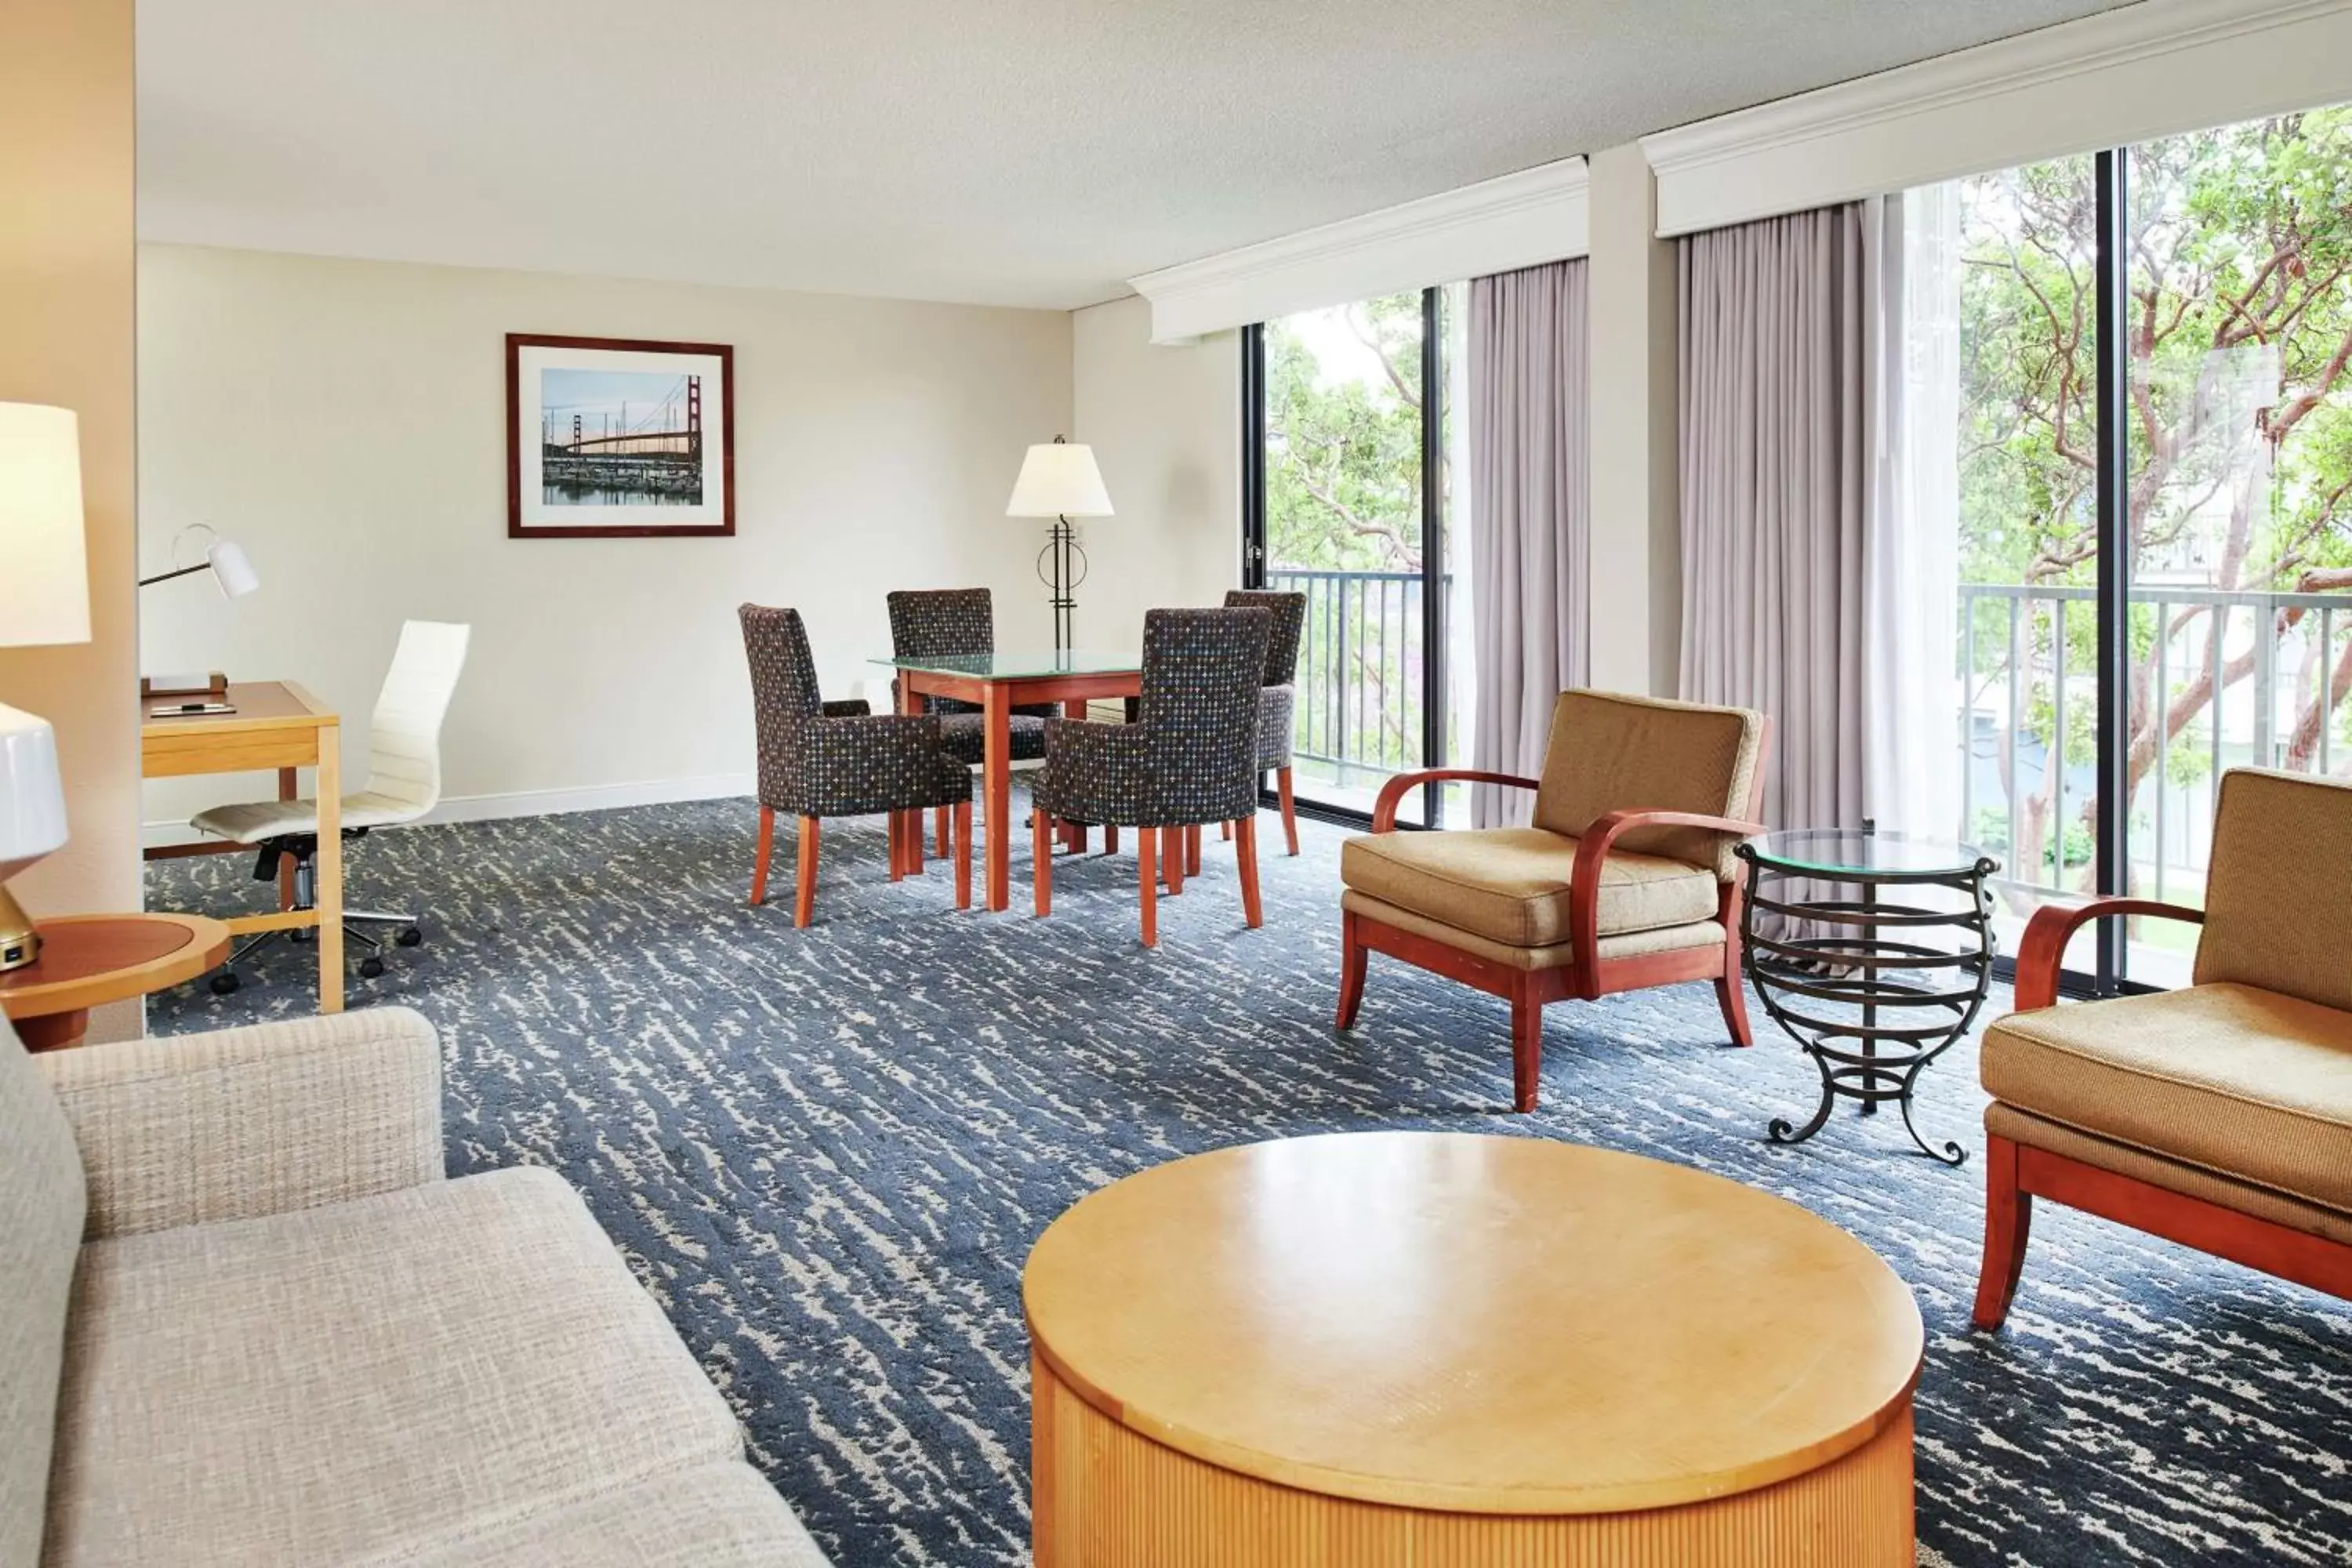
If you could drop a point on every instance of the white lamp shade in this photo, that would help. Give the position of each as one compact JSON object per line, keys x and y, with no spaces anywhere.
{"x":32,"y":801}
{"x":44,"y":578}
{"x":231,"y":570}
{"x":1059,"y":479}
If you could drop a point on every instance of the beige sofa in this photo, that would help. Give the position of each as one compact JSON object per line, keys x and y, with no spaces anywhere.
{"x":244,"y":1318}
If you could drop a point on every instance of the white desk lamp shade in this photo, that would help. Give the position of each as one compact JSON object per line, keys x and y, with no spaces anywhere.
{"x":231,"y":570}
{"x":44,"y":578}
{"x":1059,"y":479}
{"x":32,"y":802}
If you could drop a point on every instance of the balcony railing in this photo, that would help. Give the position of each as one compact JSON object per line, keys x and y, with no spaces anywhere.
{"x":2266,"y":691}
{"x":1360,"y":670}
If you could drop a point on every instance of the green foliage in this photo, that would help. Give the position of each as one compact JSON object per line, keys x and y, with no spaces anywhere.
{"x":1343,"y":455}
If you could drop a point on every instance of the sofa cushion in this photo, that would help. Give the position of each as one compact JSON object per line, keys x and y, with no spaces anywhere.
{"x":2276,"y":912}
{"x":1613,"y":752}
{"x":716,"y":1516}
{"x":1510,"y":884}
{"x":2229,"y":1077}
{"x":41,"y":1211}
{"x":366,"y":1377}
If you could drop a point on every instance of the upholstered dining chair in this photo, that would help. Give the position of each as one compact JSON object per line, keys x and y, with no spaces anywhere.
{"x":820,"y":759}
{"x":2218,"y":1115}
{"x":1190,"y":757}
{"x":934,"y":623}
{"x":1625,"y":879}
{"x":1278,"y":697}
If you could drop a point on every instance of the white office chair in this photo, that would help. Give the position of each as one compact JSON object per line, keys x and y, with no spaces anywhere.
{"x":404,"y":784}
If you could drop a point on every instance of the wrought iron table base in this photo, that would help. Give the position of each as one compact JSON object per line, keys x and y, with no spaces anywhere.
{"x":1870,"y":1061}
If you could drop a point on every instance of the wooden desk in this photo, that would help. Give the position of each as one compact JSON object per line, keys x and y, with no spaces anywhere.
{"x":88,"y":961}
{"x":1444,"y":1350}
{"x":276,"y":725}
{"x":999,"y":682}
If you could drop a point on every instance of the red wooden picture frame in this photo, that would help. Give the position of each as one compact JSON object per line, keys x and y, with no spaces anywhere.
{"x":723,"y":352}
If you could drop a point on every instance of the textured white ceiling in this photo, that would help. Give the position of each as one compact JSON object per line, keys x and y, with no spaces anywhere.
{"x":1020,"y":151}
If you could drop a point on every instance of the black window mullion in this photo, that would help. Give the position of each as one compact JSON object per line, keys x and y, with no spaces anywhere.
{"x":1433,"y":552}
{"x":2113,"y":391}
{"x":1253,"y":456}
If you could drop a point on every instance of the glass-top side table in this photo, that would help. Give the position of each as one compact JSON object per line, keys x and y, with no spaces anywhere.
{"x":1852,"y":955}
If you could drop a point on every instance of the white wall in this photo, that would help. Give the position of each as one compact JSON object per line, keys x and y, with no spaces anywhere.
{"x":1165,"y":422}
{"x":345,"y":422}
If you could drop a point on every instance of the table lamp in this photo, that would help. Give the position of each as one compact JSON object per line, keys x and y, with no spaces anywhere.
{"x":44,"y":598}
{"x":1059,"y":479}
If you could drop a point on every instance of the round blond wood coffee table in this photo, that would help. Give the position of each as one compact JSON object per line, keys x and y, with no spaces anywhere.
{"x":89,"y":959}
{"x":1382,"y":1349}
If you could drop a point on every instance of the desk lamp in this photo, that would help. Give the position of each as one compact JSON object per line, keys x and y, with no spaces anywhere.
{"x":1059,"y":479}
{"x":44,"y":599}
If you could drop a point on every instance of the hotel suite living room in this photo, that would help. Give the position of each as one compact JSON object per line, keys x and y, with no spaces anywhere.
{"x":1150,"y":784}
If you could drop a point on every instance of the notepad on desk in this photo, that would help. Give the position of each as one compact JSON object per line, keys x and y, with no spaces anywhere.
{"x":189,"y":710}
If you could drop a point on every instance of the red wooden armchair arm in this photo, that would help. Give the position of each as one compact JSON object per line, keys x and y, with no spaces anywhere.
{"x":1592,"y":854}
{"x":2043,"y":950}
{"x":1384,"y":809}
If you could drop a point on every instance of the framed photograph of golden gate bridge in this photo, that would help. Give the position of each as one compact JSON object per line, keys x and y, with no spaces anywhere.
{"x":614,"y":438}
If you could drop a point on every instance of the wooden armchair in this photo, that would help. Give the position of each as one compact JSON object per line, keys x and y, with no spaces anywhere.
{"x":2219,"y":1115}
{"x":1625,"y":879}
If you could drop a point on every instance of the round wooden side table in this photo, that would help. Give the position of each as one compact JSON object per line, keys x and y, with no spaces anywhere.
{"x":88,"y":961}
{"x":1382,"y":1349}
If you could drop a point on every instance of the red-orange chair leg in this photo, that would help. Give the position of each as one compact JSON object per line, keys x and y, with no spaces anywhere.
{"x":1526,"y":1043}
{"x":767,"y":848}
{"x":1192,"y":850}
{"x":1110,"y":838}
{"x":1041,"y":856}
{"x":1289,"y":808}
{"x":2008,"y":1220}
{"x":963,"y":854}
{"x":1354,"y":957}
{"x":939,"y":831}
{"x":1172,"y":856}
{"x":1245,"y":851}
{"x":805,"y":901}
{"x":1147,"y":839}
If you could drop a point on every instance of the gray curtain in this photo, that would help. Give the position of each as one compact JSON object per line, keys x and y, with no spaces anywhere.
{"x":1530,"y":519}
{"x":1776,"y":468}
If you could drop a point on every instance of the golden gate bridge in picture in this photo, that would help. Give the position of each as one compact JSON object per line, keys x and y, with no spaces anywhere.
{"x":648,"y":453}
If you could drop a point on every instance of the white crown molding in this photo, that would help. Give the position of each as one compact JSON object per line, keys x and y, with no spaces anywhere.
{"x":2126,"y":75}
{"x":1536,"y":215}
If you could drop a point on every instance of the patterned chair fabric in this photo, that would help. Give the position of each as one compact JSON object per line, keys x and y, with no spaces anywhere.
{"x":1278,"y":694}
{"x":1191,"y":754}
{"x":836,"y":759}
{"x":939,"y":623}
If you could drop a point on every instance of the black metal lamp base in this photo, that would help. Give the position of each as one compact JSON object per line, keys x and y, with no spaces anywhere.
{"x":1062,"y":556}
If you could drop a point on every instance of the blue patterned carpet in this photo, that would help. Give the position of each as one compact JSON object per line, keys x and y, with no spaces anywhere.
{"x":827,"y":1153}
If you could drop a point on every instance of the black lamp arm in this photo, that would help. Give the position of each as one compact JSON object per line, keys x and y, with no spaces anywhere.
{"x":182,"y":572}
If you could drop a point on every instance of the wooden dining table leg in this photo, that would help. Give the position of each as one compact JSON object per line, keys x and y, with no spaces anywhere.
{"x":963,"y":854}
{"x":327,"y":869}
{"x":1041,"y":871}
{"x":996,"y":725}
{"x":290,"y":787}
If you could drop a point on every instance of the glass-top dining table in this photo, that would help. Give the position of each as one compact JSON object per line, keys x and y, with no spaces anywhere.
{"x":999,"y":682}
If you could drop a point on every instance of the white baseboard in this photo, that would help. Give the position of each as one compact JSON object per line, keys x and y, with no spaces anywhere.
{"x":528,"y":802}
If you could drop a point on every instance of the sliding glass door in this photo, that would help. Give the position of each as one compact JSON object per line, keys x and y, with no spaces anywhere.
{"x":2153,"y":474}
{"x":1348,"y":480}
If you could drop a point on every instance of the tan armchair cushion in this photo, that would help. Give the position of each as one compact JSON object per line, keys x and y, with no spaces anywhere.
{"x":1611,"y":753}
{"x":2236,"y":1079}
{"x":1510,"y":885}
{"x":2278,"y":905}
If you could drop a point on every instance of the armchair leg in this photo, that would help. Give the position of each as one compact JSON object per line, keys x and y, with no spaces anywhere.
{"x":1354,"y":957}
{"x":1110,"y":838}
{"x":914,"y":835}
{"x":895,"y":828}
{"x":939,"y":831}
{"x":1526,"y":1043}
{"x":804,"y":901}
{"x":963,"y":854}
{"x":1041,"y":857}
{"x":1245,"y":852}
{"x":1147,"y":839}
{"x":1731,"y":986}
{"x":1289,"y":807}
{"x":1172,"y":852}
{"x":1192,"y":850}
{"x":758,"y":865}
{"x":1225,"y":832}
{"x":2009,"y":1219}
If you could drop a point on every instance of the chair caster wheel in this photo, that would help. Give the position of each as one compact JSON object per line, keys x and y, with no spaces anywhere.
{"x":302,"y":933}
{"x":226,"y":982}
{"x":371,"y":967}
{"x":410,"y":937}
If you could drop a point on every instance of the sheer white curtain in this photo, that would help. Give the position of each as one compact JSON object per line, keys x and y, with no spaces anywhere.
{"x":1915,"y":746}
{"x":1530,"y":532}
